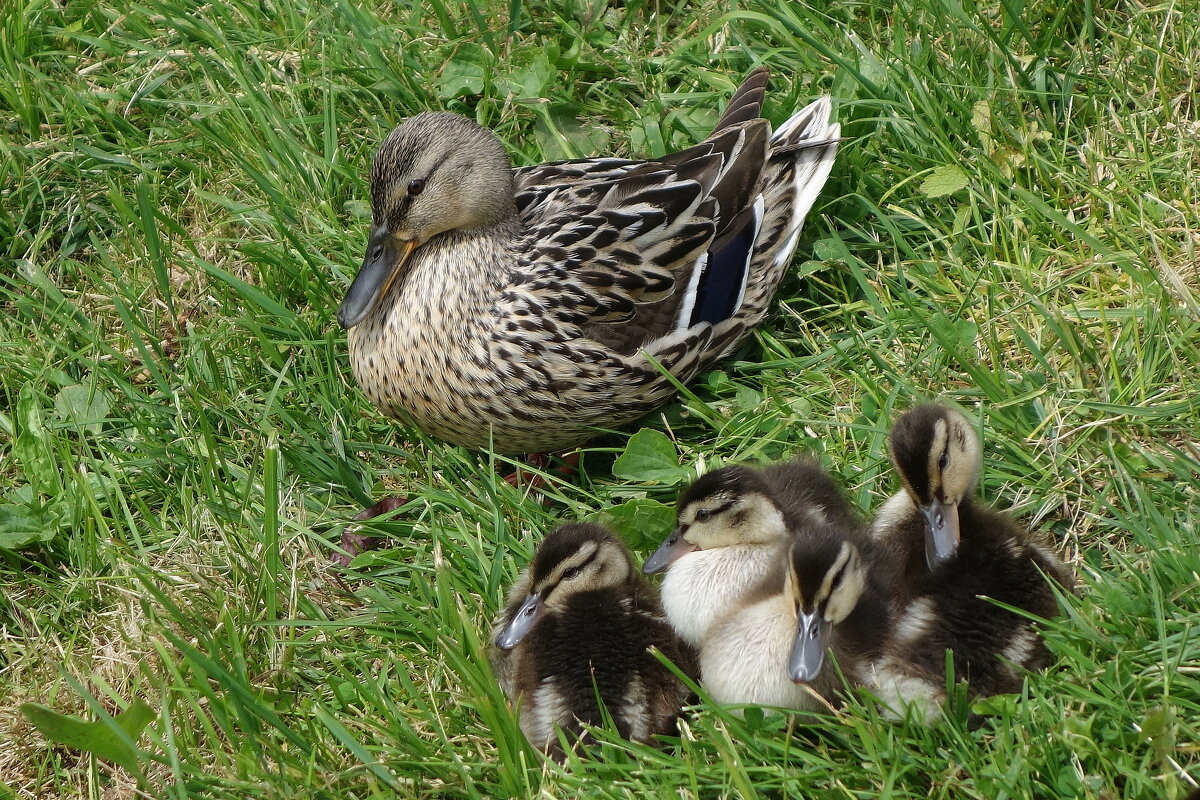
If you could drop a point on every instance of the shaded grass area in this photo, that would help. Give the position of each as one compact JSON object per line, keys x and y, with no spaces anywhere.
{"x":1011,"y":226}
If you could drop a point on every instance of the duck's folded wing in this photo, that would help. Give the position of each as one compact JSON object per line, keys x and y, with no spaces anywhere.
{"x":646,"y":250}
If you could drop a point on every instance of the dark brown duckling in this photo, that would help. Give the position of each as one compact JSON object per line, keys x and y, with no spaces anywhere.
{"x":578,"y":632}
{"x":955,"y":556}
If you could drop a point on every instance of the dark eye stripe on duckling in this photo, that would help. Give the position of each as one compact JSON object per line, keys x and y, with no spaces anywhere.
{"x":835,"y":574}
{"x":712,"y":511}
{"x":587,"y":555}
{"x":939,"y":458}
{"x":822,"y":572}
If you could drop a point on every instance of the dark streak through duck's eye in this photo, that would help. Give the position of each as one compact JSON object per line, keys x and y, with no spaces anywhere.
{"x":416,"y":187}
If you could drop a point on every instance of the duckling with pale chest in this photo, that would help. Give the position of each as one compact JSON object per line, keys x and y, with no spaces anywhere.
{"x":578,"y":634}
{"x":955,"y":556}
{"x":527,"y":311}
{"x":831,"y":604}
{"x":734,"y":527}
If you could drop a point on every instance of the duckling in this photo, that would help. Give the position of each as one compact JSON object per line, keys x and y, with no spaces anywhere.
{"x":527,"y":311}
{"x":951,"y":553}
{"x":577,"y":633}
{"x":734,"y":525}
{"x":772,"y":649}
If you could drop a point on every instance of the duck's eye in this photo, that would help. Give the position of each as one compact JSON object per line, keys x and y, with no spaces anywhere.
{"x":571,"y":573}
{"x":416,"y":187}
{"x":703,"y":515}
{"x":944,"y":461}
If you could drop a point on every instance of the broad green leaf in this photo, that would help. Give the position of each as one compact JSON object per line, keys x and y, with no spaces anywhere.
{"x":82,"y":407}
{"x":831,"y":249}
{"x":869,"y":66}
{"x":747,"y":398}
{"x":944,"y":180}
{"x":649,"y":456}
{"x":641,"y":522}
{"x":32,"y":449}
{"x":96,"y":737}
{"x":529,"y":81}
{"x":465,"y":74}
{"x":22,"y":525}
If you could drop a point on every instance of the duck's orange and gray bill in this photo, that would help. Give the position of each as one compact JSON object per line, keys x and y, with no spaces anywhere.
{"x":384,"y":261}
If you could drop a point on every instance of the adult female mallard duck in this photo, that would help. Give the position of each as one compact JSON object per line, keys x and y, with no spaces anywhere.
{"x":832,"y":598}
{"x":955,"y":556}
{"x":734,"y":527}
{"x":526,"y":311}
{"x":577,"y":635}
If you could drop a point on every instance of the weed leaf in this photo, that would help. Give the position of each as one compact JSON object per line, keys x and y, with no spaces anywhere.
{"x":97,"y":737}
{"x":650,"y":456}
{"x":32,"y":446}
{"x":944,"y":180}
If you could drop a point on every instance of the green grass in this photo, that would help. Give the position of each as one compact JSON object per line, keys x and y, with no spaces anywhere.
{"x":183,"y":203}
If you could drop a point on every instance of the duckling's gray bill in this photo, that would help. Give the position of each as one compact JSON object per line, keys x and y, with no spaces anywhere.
{"x":808,"y":653}
{"x":522,"y":622}
{"x":941,"y":531}
{"x":671,"y":550}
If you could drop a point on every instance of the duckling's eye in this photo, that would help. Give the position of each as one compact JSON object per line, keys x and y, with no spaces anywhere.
{"x":837,"y":580}
{"x":571,"y":573}
{"x":944,"y":461}
{"x":703,"y":515}
{"x":416,"y":187}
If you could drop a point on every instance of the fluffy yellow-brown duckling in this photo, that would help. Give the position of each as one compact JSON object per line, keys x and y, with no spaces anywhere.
{"x":734,"y":527}
{"x":830,"y":605}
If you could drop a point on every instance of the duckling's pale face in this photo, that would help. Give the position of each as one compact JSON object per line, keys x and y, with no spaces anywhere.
{"x":572,"y":559}
{"x":723,"y":508}
{"x":936,"y":454}
{"x":434,"y":173}
{"x":825,"y":580}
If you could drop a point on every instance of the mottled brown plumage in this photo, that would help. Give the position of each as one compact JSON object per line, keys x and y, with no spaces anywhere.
{"x":526,"y":310}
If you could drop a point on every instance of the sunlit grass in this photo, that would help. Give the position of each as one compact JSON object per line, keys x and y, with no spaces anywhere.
{"x":1012,"y":225}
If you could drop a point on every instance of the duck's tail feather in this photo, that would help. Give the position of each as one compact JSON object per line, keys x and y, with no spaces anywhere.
{"x":746,"y":103}
{"x":809,"y":141}
{"x":802,"y":152}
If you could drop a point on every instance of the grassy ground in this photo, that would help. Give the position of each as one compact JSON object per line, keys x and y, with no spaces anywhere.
{"x":1013,"y":225}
